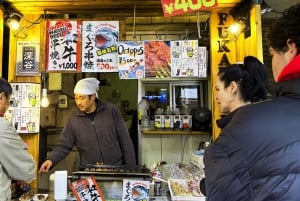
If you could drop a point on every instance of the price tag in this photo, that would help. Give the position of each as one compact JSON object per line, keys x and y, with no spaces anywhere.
{"x":178,"y":7}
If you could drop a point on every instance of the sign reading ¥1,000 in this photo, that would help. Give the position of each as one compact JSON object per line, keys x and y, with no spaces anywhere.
{"x":178,"y":7}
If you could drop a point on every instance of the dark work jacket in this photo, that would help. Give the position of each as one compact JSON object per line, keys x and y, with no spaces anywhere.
{"x":103,"y":140}
{"x":257,"y":155}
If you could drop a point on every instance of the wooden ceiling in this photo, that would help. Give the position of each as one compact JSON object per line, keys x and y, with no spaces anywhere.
{"x":102,"y":7}
{"x":145,"y":15}
{"x":117,"y":8}
{"x":140,"y":12}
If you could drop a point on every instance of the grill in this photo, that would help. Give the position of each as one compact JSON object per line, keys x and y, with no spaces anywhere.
{"x":115,"y":173}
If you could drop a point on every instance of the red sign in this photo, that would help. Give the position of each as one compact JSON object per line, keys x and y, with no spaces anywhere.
{"x":178,"y":7}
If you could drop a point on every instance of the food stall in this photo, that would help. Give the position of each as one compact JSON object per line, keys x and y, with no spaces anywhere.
{"x":154,"y":144}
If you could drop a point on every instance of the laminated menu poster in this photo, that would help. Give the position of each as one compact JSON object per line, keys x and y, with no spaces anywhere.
{"x":135,"y":190}
{"x":24,"y":109}
{"x":184,"y":58}
{"x":87,"y":189}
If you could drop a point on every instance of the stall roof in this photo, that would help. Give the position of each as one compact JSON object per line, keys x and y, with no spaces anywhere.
{"x":123,"y":8}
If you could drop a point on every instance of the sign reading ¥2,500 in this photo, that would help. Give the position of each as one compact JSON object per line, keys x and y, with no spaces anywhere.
{"x":178,"y":7}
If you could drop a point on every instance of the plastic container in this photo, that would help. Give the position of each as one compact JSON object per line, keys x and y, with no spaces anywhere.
{"x":159,"y":119}
{"x":177,"y":120}
{"x":168,"y":118}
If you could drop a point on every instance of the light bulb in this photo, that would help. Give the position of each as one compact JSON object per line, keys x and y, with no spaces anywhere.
{"x":44,"y":100}
{"x":13,"y":24}
{"x":237,"y":28}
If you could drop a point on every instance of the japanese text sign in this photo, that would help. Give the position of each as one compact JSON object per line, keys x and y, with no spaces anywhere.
{"x":87,"y":189}
{"x":28,"y":58}
{"x":63,"y":45}
{"x":99,"y":46}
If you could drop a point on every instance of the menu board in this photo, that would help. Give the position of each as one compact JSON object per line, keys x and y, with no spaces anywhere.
{"x":24,"y":110}
{"x":184,"y":56}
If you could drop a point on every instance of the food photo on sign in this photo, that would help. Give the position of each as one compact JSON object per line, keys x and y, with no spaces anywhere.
{"x":131,"y":61}
{"x":157,"y":59}
{"x":99,"y":46}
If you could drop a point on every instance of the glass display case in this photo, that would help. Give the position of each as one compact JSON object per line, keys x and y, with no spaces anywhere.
{"x":174,"y":93}
{"x":157,"y":144}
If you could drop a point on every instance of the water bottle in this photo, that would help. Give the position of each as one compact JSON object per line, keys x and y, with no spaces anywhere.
{"x":157,"y":183}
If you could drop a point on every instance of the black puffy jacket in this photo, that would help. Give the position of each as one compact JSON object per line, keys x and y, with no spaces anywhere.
{"x":257,"y":155}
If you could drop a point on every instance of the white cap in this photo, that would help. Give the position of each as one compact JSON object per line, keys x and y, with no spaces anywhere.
{"x":87,"y":86}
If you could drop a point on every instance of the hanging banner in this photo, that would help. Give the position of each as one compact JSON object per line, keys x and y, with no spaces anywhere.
{"x":157,"y":59}
{"x":131,"y":59}
{"x":63,"y":45}
{"x":99,"y":46}
{"x":24,"y":110}
{"x":184,"y":56}
{"x":179,"y":7}
{"x":28,"y":58}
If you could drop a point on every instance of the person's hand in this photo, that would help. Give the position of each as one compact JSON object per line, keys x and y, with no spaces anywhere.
{"x":45,"y":166}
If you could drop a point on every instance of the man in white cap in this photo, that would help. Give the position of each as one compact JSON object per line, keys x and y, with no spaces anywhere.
{"x":97,"y":129}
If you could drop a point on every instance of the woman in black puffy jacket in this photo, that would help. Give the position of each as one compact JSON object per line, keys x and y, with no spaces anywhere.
{"x":256,"y":157}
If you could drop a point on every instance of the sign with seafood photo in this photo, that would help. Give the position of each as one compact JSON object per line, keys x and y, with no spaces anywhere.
{"x":157,"y":59}
{"x":63,"y":45}
{"x":131,"y":59}
{"x":136,"y":190}
{"x":99,"y":46}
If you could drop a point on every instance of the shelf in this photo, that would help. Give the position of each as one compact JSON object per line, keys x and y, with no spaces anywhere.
{"x":174,"y":132}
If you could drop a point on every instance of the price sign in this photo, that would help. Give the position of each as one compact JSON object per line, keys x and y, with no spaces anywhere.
{"x":178,"y":7}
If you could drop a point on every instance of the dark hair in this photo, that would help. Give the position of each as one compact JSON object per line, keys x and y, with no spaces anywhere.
{"x":5,"y":87}
{"x":284,"y":28}
{"x":251,"y":78}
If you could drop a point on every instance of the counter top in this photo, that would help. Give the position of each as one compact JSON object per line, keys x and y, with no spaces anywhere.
{"x":51,"y":198}
{"x":174,"y":132}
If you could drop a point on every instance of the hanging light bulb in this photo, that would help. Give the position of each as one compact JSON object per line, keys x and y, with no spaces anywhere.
{"x":44,"y":100}
{"x":12,"y":16}
{"x":14,"y":22}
